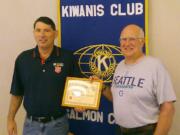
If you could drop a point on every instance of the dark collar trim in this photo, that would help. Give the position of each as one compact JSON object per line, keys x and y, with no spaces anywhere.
{"x":55,"y":52}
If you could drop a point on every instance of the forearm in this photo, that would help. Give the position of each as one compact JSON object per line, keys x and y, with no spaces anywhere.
{"x":14,"y":106}
{"x":70,"y":133}
{"x":105,"y":89}
{"x":165,"y":119}
{"x":107,"y":93}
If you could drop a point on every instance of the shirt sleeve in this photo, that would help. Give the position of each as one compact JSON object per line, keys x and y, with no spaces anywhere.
{"x":16,"y":85}
{"x":164,"y":88}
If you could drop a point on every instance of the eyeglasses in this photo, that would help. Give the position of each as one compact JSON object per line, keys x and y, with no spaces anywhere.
{"x":130,"y":39}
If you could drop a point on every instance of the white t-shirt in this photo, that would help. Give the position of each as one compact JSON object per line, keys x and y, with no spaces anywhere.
{"x":138,"y":90}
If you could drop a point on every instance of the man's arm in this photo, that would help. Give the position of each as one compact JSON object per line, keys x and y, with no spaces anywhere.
{"x":107,"y":93}
{"x":70,"y":133}
{"x":106,"y":90}
{"x":13,"y":108}
{"x":165,"y":118}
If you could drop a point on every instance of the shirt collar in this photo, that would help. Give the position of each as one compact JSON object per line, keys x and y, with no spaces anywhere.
{"x":55,"y":52}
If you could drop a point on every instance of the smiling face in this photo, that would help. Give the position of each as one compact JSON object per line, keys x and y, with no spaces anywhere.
{"x":44,"y":35}
{"x":131,"y":42}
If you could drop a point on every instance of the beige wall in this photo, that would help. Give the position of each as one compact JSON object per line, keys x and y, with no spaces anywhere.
{"x":17,"y":17}
{"x":16,"y":27}
{"x":164,"y":42}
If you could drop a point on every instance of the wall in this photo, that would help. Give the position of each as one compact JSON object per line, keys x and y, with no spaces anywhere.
{"x":17,"y":17}
{"x":16,"y":27}
{"x":164,"y":42}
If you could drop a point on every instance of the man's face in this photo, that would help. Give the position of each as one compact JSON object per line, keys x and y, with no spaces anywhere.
{"x":130,"y":42}
{"x":44,"y":35}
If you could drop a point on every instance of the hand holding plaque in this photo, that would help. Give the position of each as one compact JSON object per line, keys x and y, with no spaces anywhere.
{"x":81,"y":92}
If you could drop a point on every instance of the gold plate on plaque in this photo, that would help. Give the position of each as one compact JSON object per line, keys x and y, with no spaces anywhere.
{"x":82,"y":92}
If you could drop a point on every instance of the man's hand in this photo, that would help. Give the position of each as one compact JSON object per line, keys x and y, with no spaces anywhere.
{"x":11,"y":127}
{"x":70,"y":133}
{"x":80,"y":109}
{"x":105,"y":89}
{"x":13,"y":108}
{"x":93,"y":78}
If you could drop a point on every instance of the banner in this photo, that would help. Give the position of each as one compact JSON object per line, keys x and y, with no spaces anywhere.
{"x":91,"y":29}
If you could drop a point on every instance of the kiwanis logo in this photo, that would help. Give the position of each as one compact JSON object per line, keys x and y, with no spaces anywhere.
{"x":100,"y":60}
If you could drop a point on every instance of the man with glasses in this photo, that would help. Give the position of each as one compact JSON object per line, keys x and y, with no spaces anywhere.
{"x":141,"y":90}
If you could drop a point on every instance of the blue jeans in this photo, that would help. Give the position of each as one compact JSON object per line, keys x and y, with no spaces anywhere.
{"x":59,"y":126}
